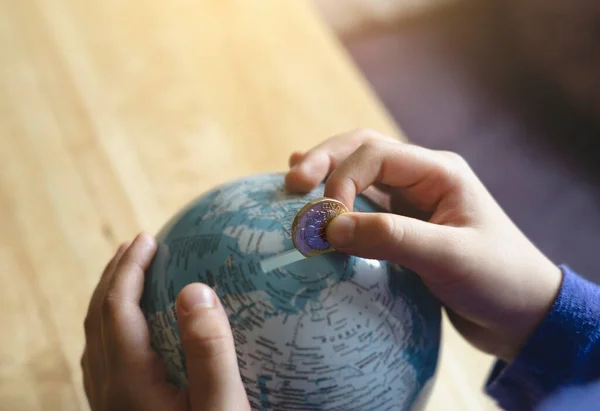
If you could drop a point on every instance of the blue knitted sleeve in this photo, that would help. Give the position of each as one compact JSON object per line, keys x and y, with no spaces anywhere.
{"x":564,"y":350}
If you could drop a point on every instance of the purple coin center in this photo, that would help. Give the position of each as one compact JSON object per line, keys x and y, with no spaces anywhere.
{"x":316,"y":226}
{"x":312,"y":226}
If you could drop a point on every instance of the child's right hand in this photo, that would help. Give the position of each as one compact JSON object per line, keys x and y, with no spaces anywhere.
{"x":443,"y":224}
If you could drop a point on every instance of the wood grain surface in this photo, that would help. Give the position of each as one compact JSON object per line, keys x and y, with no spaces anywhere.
{"x":113,"y":115}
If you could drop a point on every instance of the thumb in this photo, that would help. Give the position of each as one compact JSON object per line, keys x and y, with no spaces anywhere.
{"x":211,"y":362}
{"x":426,"y":248}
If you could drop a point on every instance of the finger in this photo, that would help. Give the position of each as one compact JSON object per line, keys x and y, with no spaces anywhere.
{"x":423,"y":247}
{"x":211,"y":362}
{"x":93,"y":361}
{"x":309,"y":173}
{"x":295,"y":158}
{"x":424,"y":176}
{"x":93,"y":317}
{"x":128,"y":281}
{"x":124,"y":329}
{"x":314,"y":166}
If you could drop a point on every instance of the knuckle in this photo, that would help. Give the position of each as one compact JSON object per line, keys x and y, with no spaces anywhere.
{"x":393,"y":235}
{"x":364,"y":132}
{"x":455,"y":159}
{"x":342,"y":184}
{"x":338,"y":179}
{"x":362,"y":135}
{"x":209,"y":343}
{"x":367,"y":148}
{"x":454,"y":169}
{"x":454,"y":164}
{"x":110,"y":306}
{"x":386,"y":225}
{"x":371,"y":147}
{"x":129,"y":264}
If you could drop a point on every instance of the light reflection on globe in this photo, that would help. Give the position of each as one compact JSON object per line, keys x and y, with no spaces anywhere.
{"x":332,"y":332}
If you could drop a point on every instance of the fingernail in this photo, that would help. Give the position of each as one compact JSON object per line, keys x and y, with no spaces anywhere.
{"x":196,"y":295}
{"x":340,"y":231}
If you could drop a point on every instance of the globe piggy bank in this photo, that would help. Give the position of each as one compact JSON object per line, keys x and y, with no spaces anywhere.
{"x":330,"y":332}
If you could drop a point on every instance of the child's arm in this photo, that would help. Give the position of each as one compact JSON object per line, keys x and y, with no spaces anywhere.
{"x":564,"y":350}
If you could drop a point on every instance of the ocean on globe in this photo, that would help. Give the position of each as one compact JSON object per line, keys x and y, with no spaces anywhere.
{"x":330,"y":332}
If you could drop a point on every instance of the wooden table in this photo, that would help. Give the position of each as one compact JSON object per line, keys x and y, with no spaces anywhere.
{"x":114,"y":114}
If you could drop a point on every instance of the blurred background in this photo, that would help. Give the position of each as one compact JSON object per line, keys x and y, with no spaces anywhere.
{"x":114,"y":114}
{"x":511,"y":85}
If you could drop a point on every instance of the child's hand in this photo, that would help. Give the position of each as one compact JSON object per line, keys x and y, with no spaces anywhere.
{"x":444,"y":225}
{"x":120,"y":369}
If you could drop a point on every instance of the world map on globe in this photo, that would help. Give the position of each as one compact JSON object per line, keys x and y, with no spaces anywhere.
{"x":330,"y":332}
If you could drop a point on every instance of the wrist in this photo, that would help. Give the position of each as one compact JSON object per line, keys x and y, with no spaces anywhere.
{"x":540,"y":297}
{"x":562,"y":350}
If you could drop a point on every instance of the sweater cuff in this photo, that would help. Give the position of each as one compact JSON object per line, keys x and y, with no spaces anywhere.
{"x":555,"y":354}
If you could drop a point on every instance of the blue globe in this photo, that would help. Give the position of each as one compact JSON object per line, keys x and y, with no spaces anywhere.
{"x":331,"y":332}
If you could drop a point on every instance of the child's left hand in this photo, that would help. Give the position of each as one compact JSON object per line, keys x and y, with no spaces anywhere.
{"x":120,"y":369}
